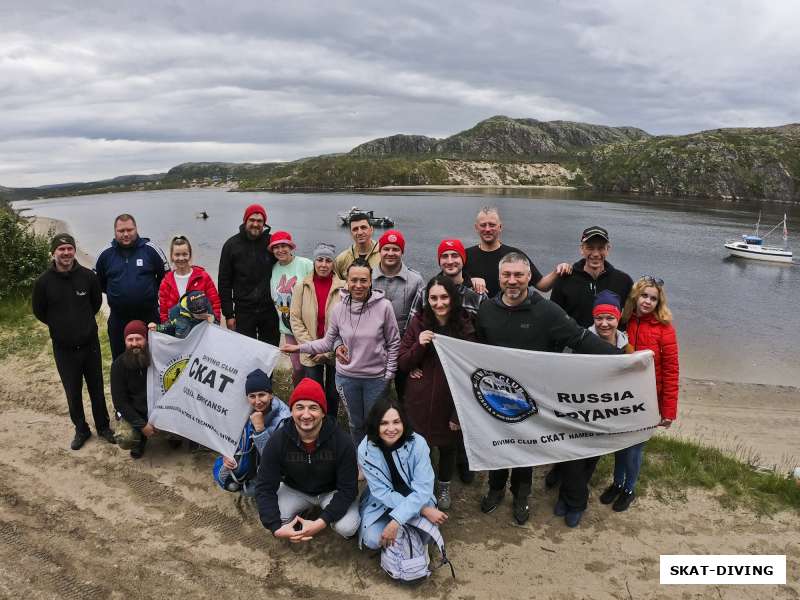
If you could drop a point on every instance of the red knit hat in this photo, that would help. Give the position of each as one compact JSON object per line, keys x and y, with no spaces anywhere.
{"x":454,"y":245}
{"x":254,"y":209}
{"x":308,"y":389}
{"x":135,"y":327}
{"x":392,"y":237}
{"x":281,"y":237}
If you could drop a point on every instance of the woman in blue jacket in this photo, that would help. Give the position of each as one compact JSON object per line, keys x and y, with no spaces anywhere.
{"x":396,"y":463}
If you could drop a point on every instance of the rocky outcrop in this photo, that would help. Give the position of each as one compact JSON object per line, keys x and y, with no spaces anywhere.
{"x":464,"y":172}
{"x":503,"y":137}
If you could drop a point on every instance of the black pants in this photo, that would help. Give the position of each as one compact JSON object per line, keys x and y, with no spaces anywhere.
{"x":262,"y":326}
{"x":325,"y":375}
{"x":447,"y":462}
{"x":400,"y":378}
{"x":575,"y":476}
{"x":521,"y":478}
{"x":75,"y":364}
{"x":116,"y":326}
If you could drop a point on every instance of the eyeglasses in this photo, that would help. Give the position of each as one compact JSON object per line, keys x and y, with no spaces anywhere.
{"x":657,"y":281}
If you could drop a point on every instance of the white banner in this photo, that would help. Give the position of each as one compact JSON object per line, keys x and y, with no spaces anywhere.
{"x":521,"y":408}
{"x":195,"y":386}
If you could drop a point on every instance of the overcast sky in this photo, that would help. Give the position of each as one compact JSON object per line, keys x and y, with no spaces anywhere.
{"x":90,"y":90}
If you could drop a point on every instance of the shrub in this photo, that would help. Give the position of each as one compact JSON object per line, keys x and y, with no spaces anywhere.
{"x":24,"y":255}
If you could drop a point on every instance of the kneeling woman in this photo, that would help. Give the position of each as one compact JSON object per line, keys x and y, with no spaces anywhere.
{"x":396,"y":463}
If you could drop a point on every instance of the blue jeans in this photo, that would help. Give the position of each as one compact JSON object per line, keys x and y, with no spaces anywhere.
{"x":627,"y":464}
{"x":359,"y":396}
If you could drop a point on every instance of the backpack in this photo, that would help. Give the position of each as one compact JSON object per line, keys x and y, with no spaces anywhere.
{"x":407,"y":559}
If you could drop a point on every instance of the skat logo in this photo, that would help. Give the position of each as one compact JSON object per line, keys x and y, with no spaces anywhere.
{"x":502,"y":397}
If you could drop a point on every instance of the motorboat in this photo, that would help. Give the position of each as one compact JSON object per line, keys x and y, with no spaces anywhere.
{"x":344,"y":218}
{"x":752,"y":246}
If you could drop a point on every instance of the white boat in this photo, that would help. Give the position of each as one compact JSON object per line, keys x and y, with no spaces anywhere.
{"x":752,"y":246}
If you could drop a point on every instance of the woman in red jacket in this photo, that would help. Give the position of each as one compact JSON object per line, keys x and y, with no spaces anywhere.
{"x":185,"y":278}
{"x":649,"y":328}
{"x":427,"y":396}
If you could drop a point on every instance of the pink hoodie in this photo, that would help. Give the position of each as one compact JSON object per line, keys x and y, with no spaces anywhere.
{"x":371,"y":336}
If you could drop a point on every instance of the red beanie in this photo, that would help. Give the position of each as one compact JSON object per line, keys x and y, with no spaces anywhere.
{"x":281,"y":237}
{"x":135,"y":327}
{"x":393,"y":237}
{"x":308,"y":389}
{"x":252,"y":210}
{"x":455,"y":245}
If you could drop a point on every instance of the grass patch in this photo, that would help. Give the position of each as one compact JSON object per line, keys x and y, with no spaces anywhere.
{"x":21,"y":334}
{"x":673,"y":466}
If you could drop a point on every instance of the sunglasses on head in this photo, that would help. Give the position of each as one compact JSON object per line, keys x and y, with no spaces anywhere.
{"x":657,"y":281}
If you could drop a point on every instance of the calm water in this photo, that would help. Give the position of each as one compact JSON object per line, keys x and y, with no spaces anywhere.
{"x":736,"y":319}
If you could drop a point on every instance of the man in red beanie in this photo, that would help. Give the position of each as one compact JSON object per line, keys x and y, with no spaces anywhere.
{"x":129,"y":390}
{"x":309,"y":461}
{"x":245,"y":270}
{"x":399,"y":283}
{"x":452,"y":257}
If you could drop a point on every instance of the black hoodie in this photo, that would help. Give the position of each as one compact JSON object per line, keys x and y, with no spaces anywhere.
{"x":67,"y":302}
{"x":576,"y":292}
{"x":245,"y":268}
{"x":332,"y":466}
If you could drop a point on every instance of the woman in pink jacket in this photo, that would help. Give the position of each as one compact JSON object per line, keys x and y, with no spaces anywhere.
{"x":649,"y":328}
{"x":185,"y":277}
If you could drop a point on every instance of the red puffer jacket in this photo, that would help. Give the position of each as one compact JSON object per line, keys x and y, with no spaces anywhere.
{"x":198,"y":280}
{"x":647,"y":333}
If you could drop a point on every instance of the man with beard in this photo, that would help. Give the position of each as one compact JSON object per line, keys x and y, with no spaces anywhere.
{"x":129,"y":390}
{"x":399,"y":283}
{"x":363,"y":247}
{"x":66,"y":298}
{"x":130,"y":271}
{"x":245,"y":270}
{"x":519,"y":317}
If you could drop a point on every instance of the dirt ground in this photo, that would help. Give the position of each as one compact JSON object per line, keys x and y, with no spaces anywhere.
{"x":96,"y":524}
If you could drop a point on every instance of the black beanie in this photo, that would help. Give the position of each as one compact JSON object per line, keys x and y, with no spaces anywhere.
{"x":258,"y":381}
{"x":60,"y":239}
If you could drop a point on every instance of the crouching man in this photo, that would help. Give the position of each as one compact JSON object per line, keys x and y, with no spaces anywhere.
{"x":129,"y":390}
{"x":238,"y":474}
{"x":308,"y":462}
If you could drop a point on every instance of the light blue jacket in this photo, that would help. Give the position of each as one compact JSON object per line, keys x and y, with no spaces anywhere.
{"x":414,"y":464}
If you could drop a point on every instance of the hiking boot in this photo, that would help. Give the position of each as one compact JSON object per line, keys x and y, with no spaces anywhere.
{"x":552,"y":478}
{"x":80,"y":438}
{"x":573,"y":517}
{"x":561,"y":508}
{"x":521,"y":510}
{"x":443,"y":498}
{"x":490,"y":501}
{"x":610,"y":494}
{"x":138,"y":451}
{"x":465,"y":475}
{"x":107,"y":435}
{"x":624,"y":501}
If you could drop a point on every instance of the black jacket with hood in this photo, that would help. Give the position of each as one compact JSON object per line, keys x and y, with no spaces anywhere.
{"x":245,"y":268}
{"x":576,"y":292}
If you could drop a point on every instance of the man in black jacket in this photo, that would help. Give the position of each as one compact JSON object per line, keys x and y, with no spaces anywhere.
{"x":245,"y":268}
{"x":520,"y":318}
{"x":66,"y":298}
{"x":129,"y":390}
{"x":309,"y":461}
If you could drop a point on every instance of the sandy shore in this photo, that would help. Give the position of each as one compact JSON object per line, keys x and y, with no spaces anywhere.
{"x":95,"y":524}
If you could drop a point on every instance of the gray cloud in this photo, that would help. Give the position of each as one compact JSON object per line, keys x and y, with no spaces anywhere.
{"x":98,"y":89}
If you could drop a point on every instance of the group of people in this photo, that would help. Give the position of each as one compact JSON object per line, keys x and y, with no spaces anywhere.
{"x":356,"y":325}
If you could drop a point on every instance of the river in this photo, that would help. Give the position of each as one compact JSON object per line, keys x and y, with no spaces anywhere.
{"x":734,"y":317}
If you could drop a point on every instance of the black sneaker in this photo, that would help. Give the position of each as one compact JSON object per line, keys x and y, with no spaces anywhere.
{"x":107,"y":435}
{"x":490,"y":501}
{"x":521,"y":510}
{"x":138,"y":451}
{"x":610,"y":494}
{"x":80,"y":438}
{"x":624,"y":501}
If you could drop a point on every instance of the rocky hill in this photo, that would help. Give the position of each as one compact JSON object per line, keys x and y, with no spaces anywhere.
{"x":503,"y":138}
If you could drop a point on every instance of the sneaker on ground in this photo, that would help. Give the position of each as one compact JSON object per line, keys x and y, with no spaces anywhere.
{"x":80,"y":439}
{"x":490,"y":501}
{"x":465,"y":475}
{"x":573,"y":518}
{"x":138,"y":451}
{"x":107,"y":435}
{"x":521,"y":510}
{"x":443,"y":498}
{"x":610,"y":494}
{"x":623,"y":501}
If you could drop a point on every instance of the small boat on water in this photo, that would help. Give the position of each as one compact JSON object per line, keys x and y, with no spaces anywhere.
{"x":752,"y":246}
{"x":201,"y":215}
{"x":344,"y":218}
